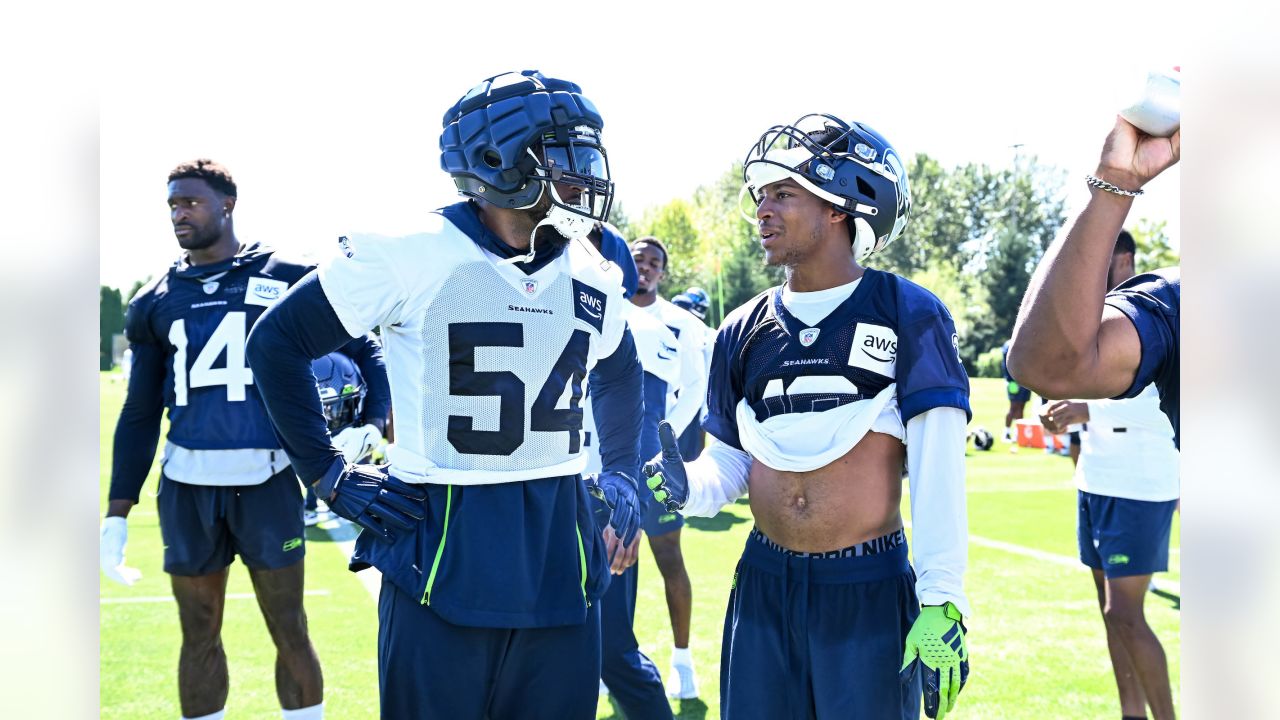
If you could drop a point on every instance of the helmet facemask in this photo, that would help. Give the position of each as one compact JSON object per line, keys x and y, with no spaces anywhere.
{"x":570,"y":157}
{"x":342,"y":408}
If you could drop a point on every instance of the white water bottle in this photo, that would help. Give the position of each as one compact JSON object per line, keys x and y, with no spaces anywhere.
{"x":1158,"y":111}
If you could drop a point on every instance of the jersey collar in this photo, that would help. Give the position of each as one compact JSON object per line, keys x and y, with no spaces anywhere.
{"x":838,"y":316}
{"x":249,"y":255}
{"x":465,"y":216}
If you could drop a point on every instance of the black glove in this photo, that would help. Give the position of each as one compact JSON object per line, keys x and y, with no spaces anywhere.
{"x":618,"y":492}
{"x":666,"y":475}
{"x":369,"y":497}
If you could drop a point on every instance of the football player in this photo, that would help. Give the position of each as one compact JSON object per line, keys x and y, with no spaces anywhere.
{"x":684,"y":405}
{"x":1073,"y":339}
{"x":1127,"y":480}
{"x":626,"y":672}
{"x":355,"y":412}
{"x":695,"y":300}
{"x":819,"y":391}
{"x":226,"y":488}
{"x":1017,"y":395}
{"x":493,"y":317}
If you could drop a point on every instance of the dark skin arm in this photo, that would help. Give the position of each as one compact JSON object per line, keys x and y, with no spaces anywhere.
{"x":1065,"y":343}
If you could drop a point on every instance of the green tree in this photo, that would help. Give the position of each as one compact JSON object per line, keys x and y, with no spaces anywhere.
{"x":1154,"y":249}
{"x":712,"y":246}
{"x":1022,"y":210}
{"x":110,"y":322}
{"x":133,"y":289}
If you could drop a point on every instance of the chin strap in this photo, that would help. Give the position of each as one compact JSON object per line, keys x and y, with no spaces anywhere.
{"x":528,"y":257}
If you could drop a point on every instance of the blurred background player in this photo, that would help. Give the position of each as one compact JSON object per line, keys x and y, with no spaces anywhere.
{"x":696,"y":301}
{"x":226,"y":488}
{"x":1127,"y":481}
{"x":493,"y":317}
{"x":1073,"y":339}
{"x":355,"y":412}
{"x":626,"y":673}
{"x":1128,"y":488}
{"x":819,"y":391}
{"x":684,"y":409}
{"x":1018,"y":397}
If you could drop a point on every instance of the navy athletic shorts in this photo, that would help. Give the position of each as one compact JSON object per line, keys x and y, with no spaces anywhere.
{"x":429,"y":668}
{"x":1016,"y":392}
{"x":1123,"y":537}
{"x":819,"y":635}
{"x":205,"y":526}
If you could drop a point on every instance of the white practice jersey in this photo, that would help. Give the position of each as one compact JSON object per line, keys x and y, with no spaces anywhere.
{"x":1127,"y":450}
{"x":487,"y":364}
{"x":658,"y":351}
{"x":685,"y":398}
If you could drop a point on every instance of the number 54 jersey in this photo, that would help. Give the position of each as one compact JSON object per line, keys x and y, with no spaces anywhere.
{"x":487,"y":360}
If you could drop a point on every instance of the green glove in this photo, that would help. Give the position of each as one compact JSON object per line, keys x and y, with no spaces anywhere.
{"x":936,"y":643}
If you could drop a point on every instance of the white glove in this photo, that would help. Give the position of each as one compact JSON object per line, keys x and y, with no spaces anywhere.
{"x":357,"y":442}
{"x":115,"y":535}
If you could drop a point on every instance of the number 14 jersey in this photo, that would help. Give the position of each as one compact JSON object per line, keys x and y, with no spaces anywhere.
{"x":199,"y":318}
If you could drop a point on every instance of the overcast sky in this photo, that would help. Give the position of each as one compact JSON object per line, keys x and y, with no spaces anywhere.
{"x":330,"y":121}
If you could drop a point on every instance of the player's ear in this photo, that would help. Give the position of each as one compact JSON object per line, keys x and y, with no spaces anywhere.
{"x":228,"y":204}
{"x":834,"y":216}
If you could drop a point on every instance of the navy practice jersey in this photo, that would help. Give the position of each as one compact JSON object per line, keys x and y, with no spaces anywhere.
{"x":889,"y":330}
{"x":1004,"y":363}
{"x":187,"y":331}
{"x":1151,"y":301}
{"x":201,"y":316}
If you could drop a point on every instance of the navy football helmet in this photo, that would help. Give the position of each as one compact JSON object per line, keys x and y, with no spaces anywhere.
{"x":342,"y":390}
{"x":513,"y":136}
{"x":684,"y":302}
{"x":694,"y":300}
{"x":848,"y":164}
{"x":701,"y":301}
{"x":982,"y":439}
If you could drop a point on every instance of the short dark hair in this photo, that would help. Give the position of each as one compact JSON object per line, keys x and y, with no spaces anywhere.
{"x":651,"y":240}
{"x":1125,"y":244}
{"x":214,"y":174}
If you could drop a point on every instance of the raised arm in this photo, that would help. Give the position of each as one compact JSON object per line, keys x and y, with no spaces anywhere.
{"x":1065,"y":344}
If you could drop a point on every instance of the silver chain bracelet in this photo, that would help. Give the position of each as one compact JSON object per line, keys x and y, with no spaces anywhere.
{"x":1104,"y":185}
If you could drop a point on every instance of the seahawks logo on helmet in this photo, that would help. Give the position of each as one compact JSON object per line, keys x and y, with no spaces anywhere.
{"x":847,"y":164}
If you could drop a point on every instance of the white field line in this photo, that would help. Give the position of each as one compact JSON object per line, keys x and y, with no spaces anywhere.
{"x":1063,"y":560}
{"x":169,"y":598}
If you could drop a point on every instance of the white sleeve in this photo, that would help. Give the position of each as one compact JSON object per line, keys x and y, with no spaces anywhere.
{"x":1142,"y":411}
{"x":939,"y":522}
{"x":693,"y":379}
{"x":362,"y":284}
{"x":716,"y":478}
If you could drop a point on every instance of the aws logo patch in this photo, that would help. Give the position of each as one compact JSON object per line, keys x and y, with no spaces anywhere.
{"x":588,"y":305}
{"x":264,"y":291}
{"x":875,"y":348}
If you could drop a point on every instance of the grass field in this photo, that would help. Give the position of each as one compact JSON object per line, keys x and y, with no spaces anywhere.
{"x":1035,"y":638}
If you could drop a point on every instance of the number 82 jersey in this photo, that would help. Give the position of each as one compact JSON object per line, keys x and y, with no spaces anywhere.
{"x":487,"y":362}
